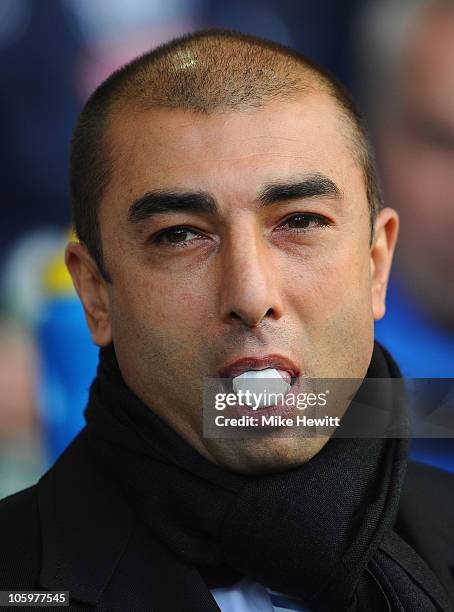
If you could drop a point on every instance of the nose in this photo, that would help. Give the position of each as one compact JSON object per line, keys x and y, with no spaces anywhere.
{"x":249,"y":280}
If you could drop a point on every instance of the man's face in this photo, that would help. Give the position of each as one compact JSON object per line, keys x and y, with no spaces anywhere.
{"x":417,"y":155}
{"x":265,"y":271}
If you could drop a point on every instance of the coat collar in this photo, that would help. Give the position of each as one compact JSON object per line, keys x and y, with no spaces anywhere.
{"x":94,"y":546}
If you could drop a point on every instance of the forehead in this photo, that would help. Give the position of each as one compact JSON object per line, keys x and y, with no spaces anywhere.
{"x":229,"y":153}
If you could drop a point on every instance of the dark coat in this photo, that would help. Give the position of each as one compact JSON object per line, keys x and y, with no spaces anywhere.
{"x":74,"y":531}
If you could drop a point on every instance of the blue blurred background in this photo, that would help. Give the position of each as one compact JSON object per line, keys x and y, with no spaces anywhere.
{"x":53,"y":53}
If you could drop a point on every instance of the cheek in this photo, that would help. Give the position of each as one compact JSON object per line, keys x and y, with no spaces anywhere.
{"x":153,"y":303}
{"x":157,"y":331}
{"x":337,"y":279}
{"x":332,"y":301}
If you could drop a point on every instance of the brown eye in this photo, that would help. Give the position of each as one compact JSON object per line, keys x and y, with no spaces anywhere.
{"x":176,"y":235}
{"x":304,"y":221}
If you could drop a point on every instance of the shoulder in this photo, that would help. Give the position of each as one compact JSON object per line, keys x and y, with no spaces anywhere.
{"x":20,"y":537}
{"x":426,"y":519}
{"x":23,"y":500}
{"x":432,"y":489}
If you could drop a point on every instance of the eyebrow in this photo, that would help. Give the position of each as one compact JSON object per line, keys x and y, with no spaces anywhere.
{"x":158,"y":202}
{"x":315,"y":185}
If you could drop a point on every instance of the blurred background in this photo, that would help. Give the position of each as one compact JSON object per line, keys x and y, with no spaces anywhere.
{"x":396,"y":56}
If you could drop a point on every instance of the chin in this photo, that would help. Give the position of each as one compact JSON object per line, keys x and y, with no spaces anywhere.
{"x":267,"y":455}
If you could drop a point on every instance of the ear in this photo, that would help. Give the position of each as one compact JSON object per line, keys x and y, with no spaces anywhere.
{"x":92,"y":290}
{"x":381,"y":256}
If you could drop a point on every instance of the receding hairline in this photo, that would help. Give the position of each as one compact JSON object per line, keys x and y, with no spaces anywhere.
{"x":225,"y":69}
{"x":183,"y":75}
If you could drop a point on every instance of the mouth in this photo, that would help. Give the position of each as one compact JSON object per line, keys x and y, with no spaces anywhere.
{"x":286,"y":368}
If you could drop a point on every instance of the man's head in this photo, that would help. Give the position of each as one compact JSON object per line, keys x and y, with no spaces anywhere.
{"x":230,"y":184}
{"x":408,"y":80}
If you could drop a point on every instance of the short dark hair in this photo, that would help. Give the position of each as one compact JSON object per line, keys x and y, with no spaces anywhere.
{"x":205,"y":72}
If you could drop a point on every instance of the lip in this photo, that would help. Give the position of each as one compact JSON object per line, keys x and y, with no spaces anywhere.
{"x":279,"y":362}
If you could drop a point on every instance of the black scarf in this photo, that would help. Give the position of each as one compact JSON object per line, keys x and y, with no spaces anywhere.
{"x":322,"y":531}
